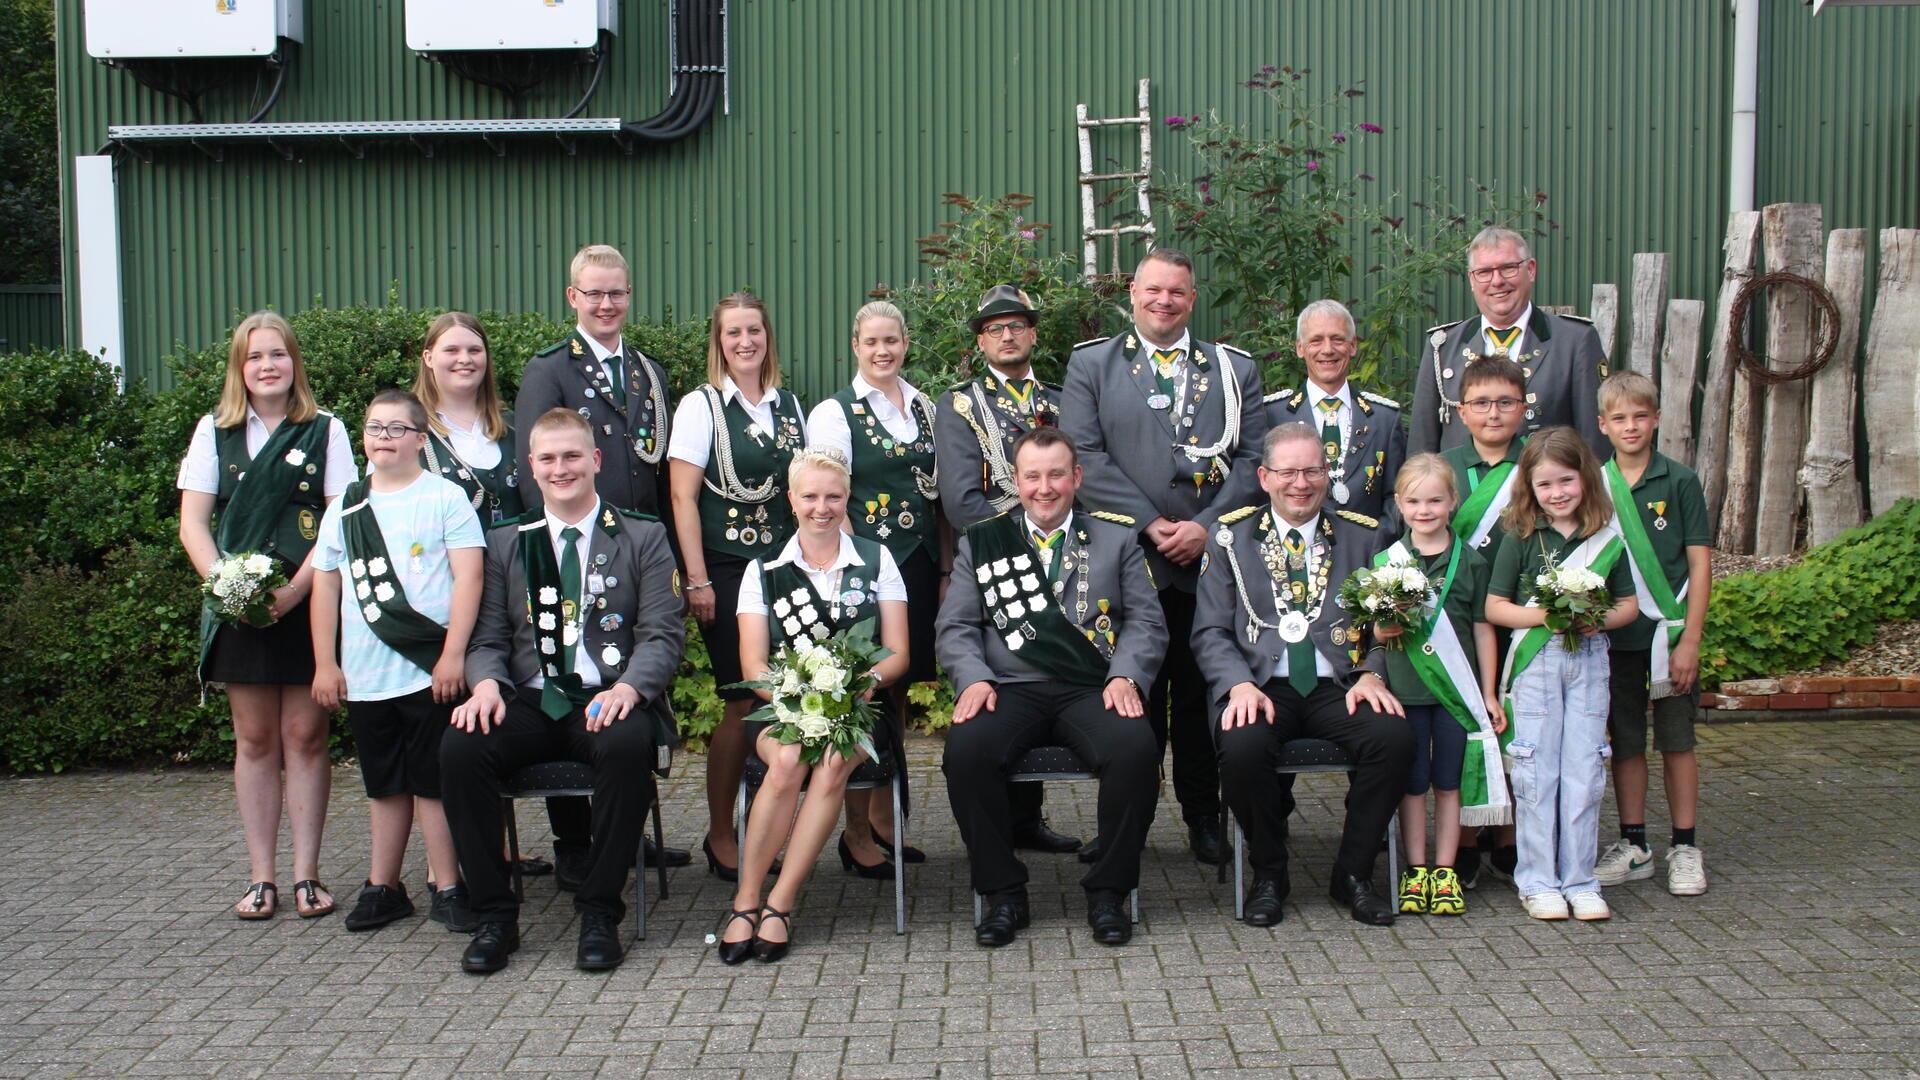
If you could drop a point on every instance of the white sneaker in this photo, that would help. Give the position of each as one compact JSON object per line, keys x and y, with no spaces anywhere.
{"x":1686,"y":871}
{"x":1624,"y":861}
{"x":1546,"y":906}
{"x":1589,"y":907}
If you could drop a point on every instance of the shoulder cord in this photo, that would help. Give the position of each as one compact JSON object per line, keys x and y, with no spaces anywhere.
{"x":927,"y":482}
{"x":661,"y":419}
{"x":730,"y":487}
{"x":1255,"y":623}
{"x":992,"y":448}
{"x":1230,"y":438}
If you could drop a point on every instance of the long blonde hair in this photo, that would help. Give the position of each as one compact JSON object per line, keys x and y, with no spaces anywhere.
{"x":717,"y":372}
{"x":427,"y":388}
{"x":232,"y":410}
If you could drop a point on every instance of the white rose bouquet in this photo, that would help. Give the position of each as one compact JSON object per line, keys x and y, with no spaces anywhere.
{"x":819,"y":690}
{"x":1392,"y":594}
{"x":241,"y":587}
{"x":1575,"y":598}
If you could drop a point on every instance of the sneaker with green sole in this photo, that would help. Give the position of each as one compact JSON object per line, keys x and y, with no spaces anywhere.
{"x":1413,"y":890}
{"x":1445,"y":894}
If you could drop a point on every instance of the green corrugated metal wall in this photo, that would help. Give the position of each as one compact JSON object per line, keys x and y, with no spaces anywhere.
{"x":850,"y":118}
{"x":30,"y":317}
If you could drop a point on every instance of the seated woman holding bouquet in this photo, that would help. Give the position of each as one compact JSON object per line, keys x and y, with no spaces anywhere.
{"x":826,"y":590}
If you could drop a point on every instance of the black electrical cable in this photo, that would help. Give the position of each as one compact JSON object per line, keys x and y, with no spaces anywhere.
{"x":697,"y":44}
{"x":599,"y":68}
{"x":279,"y":83}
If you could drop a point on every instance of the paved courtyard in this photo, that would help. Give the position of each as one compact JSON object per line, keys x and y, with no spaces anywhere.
{"x":117,"y":958}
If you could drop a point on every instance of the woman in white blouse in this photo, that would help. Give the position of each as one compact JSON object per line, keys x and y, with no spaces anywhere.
{"x":470,"y":437}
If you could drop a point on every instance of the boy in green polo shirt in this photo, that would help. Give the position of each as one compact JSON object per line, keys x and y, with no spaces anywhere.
{"x":1662,"y":514}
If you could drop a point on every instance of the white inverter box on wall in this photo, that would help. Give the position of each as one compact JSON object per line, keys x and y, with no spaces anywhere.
{"x":494,"y":25}
{"x":183,"y":29}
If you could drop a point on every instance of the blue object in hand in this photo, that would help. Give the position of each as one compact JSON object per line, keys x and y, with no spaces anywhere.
{"x":593,"y":710}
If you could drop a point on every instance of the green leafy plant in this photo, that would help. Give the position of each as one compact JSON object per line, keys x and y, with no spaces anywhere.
{"x":934,"y":701}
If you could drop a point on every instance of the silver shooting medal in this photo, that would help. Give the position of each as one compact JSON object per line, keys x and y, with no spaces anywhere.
{"x":1340,"y":491}
{"x":1293,"y":627}
{"x":1159,"y":401}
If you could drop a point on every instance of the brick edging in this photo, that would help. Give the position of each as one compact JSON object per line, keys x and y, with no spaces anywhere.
{"x":1816,"y":694}
{"x":1800,"y":716}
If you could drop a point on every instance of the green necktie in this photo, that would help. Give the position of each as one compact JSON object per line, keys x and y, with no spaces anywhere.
{"x":1330,"y":427}
{"x":553,"y":700}
{"x":619,"y":376}
{"x":1163,"y":362}
{"x":1049,"y":558}
{"x":1302,"y":674}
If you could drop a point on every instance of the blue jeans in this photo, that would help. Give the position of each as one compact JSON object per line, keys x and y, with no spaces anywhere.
{"x":1559,"y":753}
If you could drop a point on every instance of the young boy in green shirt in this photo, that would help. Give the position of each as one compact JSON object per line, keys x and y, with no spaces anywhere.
{"x":1662,"y":514}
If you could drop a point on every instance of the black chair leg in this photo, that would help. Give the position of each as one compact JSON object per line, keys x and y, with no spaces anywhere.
{"x":659,"y":843}
{"x":513,"y":852}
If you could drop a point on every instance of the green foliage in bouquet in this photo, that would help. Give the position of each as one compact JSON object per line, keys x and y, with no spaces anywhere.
{"x":820,"y":693}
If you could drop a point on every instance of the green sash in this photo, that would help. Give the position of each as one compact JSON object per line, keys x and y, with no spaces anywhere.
{"x":1440,"y":660}
{"x":376,"y":585}
{"x":1657,"y":599}
{"x":1597,"y":553}
{"x":1022,"y":607}
{"x":554,"y":613}
{"x":494,"y":492}
{"x":1480,"y":510}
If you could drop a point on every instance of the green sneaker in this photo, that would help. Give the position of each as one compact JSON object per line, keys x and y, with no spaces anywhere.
{"x":1413,"y":890}
{"x":1445,"y":894}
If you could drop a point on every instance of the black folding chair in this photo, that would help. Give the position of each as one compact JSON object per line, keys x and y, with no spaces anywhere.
{"x":1038,"y":765}
{"x":1308,"y":756}
{"x":550,"y":778}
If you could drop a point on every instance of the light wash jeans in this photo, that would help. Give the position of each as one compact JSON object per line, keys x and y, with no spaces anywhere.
{"x":1559,"y":753}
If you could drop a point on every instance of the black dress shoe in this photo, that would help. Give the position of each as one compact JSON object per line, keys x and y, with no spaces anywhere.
{"x":908,"y":853}
{"x":1358,"y":896}
{"x":669,"y":856}
{"x":736,"y":952}
{"x":1042,"y":838}
{"x":1467,"y":865}
{"x":767,"y":951}
{"x":599,"y":944}
{"x":881,"y":872}
{"x":534,"y":866}
{"x":490,"y":947}
{"x":1091,"y":853}
{"x":570,"y":867}
{"x":1108,"y":917}
{"x":1266,"y":903}
{"x":1002,"y":922}
{"x":1204,"y":838}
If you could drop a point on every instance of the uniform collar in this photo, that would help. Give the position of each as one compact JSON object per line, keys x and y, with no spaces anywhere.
{"x":1315,"y":395}
{"x":478,"y":430}
{"x":1183,"y":346}
{"x":1525,"y":320}
{"x":864,"y":389}
{"x":600,"y":352}
{"x":1656,"y":466}
{"x":555,"y":523}
{"x":848,"y":555}
{"x":730,"y":390}
{"x":1066,"y":523}
{"x":994,"y":374}
{"x":1308,"y":530}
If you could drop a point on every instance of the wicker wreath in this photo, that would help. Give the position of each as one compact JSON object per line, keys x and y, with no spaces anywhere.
{"x":1757,"y":367}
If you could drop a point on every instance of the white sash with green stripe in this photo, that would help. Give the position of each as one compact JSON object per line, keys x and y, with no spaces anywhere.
{"x":1657,"y":599}
{"x":1480,"y":511}
{"x":1437,"y":655}
{"x":1597,"y":553}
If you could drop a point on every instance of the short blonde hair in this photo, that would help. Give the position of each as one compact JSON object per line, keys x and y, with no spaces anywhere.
{"x":878,"y":309}
{"x":560,"y":419}
{"x":717,"y":372}
{"x":814,"y":457}
{"x":232,"y":410}
{"x":1623,"y":387}
{"x":605,"y":256}
{"x":1423,"y":467}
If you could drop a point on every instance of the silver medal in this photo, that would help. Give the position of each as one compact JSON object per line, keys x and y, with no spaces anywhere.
{"x":1293,"y":627}
{"x":1159,"y":401}
{"x":1340,"y":491}
{"x":1660,"y":523}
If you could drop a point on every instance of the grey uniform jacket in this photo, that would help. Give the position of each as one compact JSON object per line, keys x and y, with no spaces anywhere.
{"x":970,"y":419}
{"x":1376,"y":446}
{"x":1107,"y":559}
{"x":1130,"y":450}
{"x":1220,"y":620}
{"x":1563,"y":362}
{"x":569,"y":376}
{"x":634,"y":633}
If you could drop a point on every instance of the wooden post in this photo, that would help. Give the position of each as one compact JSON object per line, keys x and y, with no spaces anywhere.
{"x":1890,"y":387}
{"x":1742,"y":249}
{"x":1828,"y":477}
{"x":1793,"y":236}
{"x":1679,"y":369}
{"x":1649,"y":313}
{"x":1605,"y":312}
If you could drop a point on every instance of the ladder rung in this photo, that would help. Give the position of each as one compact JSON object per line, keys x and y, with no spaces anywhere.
{"x":1115,"y":120}
{"x":1120,"y":229}
{"x":1091,"y":177}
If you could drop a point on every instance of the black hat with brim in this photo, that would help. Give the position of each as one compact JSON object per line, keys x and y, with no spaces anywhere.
{"x":1003,"y":300}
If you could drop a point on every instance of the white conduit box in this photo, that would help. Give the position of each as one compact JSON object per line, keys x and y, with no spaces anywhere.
{"x":503,"y":25}
{"x":186,"y":29}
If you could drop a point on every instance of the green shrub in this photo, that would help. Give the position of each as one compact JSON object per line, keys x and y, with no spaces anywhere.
{"x":1819,"y":609}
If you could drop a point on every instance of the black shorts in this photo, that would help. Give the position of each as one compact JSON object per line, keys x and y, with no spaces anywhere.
{"x":722,"y":636}
{"x":1627,"y":715}
{"x":399,"y":743}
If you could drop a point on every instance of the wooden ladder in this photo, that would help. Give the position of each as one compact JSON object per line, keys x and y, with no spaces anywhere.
{"x":1090,"y":228}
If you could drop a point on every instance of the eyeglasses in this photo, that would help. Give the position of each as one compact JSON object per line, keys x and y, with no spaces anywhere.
{"x":1005,"y":329}
{"x":1483,"y":406}
{"x":377,"y":430}
{"x":594,"y":296}
{"x":1288,"y":476}
{"x":1507,"y":271}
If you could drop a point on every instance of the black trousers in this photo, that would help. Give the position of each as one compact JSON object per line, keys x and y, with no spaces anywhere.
{"x":1177,"y":708}
{"x":473,"y":766}
{"x":1122,"y":752}
{"x":1380,"y":745}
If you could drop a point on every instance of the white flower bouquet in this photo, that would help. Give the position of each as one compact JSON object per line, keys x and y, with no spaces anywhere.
{"x":819,"y":691}
{"x":241,"y":587}
{"x":1392,"y":594}
{"x":1575,"y":598}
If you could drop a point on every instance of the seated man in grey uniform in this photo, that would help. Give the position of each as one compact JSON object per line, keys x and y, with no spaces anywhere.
{"x":572,"y":657}
{"x":1051,"y":629}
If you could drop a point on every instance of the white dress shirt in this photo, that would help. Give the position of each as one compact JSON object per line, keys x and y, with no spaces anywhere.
{"x":472,"y":443}
{"x":200,"y":469}
{"x":605,"y":356}
{"x":886,"y":583}
{"x":1344,"y":413}
{"x":1484,"y":345}
{"x":827,"y":425}
{"x":692,"y":438}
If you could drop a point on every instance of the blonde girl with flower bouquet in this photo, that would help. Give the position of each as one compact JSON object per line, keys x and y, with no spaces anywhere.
{"x":258,"y":474}
{"x":824,"y":582}
{"x":1560,"y":581}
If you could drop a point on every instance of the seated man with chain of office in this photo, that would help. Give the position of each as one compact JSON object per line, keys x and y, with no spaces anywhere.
{"x":1051,"y":628}
{"x":1284,"y":662}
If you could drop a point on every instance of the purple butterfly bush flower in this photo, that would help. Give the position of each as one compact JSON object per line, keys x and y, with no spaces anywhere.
{"x":1313,"y":166}
{"x":1339,"y":137}
{"x":1028,"y":234}
{"x":1373,"y":129}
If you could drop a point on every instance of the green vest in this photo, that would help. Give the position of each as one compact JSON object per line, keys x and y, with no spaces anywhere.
{"x":741,"y":527}
{"x":495,"y":492}
{"x":299,"y":525}
{"x":780,"y":584}
{"x":894,"y":497}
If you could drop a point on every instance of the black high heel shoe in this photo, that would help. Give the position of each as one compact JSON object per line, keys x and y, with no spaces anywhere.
{"x":719,"y":869}
{"x":736,"y":952}
{"x":908,"y":853}
{"x":882,"y":872}
{"x":768,"y":951}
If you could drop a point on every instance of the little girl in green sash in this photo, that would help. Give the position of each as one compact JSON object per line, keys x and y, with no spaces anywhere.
{"x":1443,"y":672}
{"x":1557,"y":698}
{"x":262,"y":469}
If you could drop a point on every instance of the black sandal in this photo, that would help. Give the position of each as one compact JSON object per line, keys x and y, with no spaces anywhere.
{"x":736,"y":952}
{"x":257,"y":892}
{"x":769,"y":951}
{"x":306,"y":899}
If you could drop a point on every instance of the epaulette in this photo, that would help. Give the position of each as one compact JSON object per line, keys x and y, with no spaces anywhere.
{"x":1443,"y":327}
{"x":537,"y":522}
{"x":516,"y":521}
{"x":1092,"y":341}
{"x":639,"y":515}
{"x":1277,"y":395}
{"x":1378,"y":399}
{"x":555,"y":347}
{"x":1233,"y":349}
{"x":1578,"y":318}
{"x":1234,"y":517}
{"x":1358,"y":519}
{"x":1108,"y":515}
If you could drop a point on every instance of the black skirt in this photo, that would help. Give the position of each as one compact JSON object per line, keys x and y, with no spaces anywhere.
{"x":921,"y":573}
{"x":277,"y":655}
{"x":722,"y":636}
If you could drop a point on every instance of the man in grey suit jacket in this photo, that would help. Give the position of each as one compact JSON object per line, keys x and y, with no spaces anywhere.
{"x":1360,"y":431}
{"x":1168,"y":428}
{"x":1285,"y":662}
{"x":1560,"y":355}
{"x":1050,"y":628}
{"x":572,"y":657}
